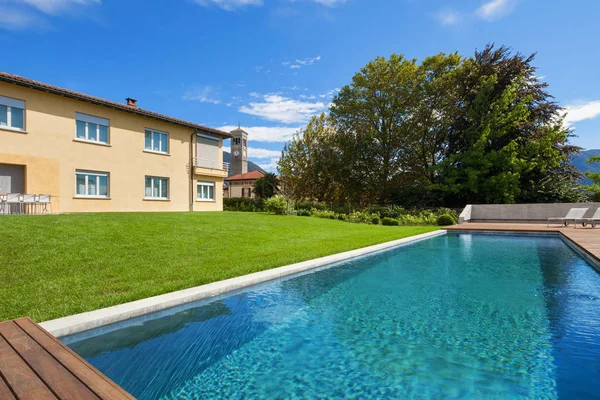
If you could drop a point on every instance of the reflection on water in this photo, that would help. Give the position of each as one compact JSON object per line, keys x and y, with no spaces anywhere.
{"x":455,"y":316}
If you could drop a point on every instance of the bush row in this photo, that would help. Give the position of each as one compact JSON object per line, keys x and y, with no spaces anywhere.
{"x":389,"y":216}
{"x":422,"y":218}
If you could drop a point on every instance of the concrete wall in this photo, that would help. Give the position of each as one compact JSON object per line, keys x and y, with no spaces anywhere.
{"x":51,"y":155}
{"x":526,"y":213}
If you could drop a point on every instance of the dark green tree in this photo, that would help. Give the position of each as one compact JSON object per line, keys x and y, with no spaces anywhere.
{"x":266,"y":186}
{"x":594,"y":188}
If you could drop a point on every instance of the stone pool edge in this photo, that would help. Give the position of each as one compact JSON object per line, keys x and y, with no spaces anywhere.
{"x":105,"y":316}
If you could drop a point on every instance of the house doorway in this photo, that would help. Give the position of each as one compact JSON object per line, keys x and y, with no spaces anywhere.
{"x":12,"y":180}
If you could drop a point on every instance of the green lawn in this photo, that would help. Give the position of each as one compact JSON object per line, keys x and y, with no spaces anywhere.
{"x":53,"y":266}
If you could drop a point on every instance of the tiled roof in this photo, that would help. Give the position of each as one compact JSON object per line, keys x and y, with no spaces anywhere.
{"x":246,"y":177}
{"x":19,"y":80}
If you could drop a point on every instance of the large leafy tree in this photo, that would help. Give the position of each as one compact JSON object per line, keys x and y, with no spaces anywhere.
{"x":309,"y":162}
{"x":372,"y":116}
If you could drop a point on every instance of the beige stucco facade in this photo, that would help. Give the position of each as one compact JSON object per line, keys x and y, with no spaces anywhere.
{"x":51,"y":154}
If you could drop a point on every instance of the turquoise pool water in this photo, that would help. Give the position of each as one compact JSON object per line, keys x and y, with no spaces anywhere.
{"x":456,"y":316}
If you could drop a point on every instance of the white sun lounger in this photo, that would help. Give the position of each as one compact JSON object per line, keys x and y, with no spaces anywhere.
{"x":574,"y":215}
{"x":595,"y":219}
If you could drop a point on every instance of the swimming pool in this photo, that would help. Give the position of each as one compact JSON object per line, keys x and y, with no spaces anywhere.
{"x":459,"y":315}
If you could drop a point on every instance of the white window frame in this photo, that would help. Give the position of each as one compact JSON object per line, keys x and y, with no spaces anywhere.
{"x":90,"y":119}
{"x":151,"y":149}
{"x":199,"y":191}
{"x":11,"y":103}
{"x":161,"y":179}
{"x":97,"y":175}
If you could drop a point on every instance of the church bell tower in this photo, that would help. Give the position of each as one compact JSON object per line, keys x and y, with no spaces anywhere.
{"x":239,"y":151}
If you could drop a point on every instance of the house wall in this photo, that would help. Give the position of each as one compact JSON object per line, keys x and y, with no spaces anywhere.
{"x":51,"y":155}
{"x":235,"y":188}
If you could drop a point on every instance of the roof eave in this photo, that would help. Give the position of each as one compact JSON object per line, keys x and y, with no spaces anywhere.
{"x":109,"y":104}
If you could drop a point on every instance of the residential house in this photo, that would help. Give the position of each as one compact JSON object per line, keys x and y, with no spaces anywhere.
{"x":94,"y":155}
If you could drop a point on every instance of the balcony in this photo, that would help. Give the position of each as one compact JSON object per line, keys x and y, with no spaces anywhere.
{"x":210,"y":168}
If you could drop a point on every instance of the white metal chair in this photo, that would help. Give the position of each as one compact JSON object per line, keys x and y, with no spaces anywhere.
{"x":29,"y":203}
{"x":574,"y":215}
{"x":45,"y":200}
{"x":2,"y":204}
{"x":13,"y":199}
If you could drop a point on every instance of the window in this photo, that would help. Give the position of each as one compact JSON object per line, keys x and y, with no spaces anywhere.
{"x":208,"y":151}
{"x":157,"y":141}
{"x":157,"y":188}
{"x":206,"y":191}
{"x":12,"y":113}
{"x":91,"y":128}
{"x":91,"y":184}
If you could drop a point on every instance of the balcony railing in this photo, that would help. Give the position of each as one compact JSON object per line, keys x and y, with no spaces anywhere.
{"x":202,"y":163}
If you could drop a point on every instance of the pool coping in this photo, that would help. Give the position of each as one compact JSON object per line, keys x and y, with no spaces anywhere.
{"x":105,"y":316}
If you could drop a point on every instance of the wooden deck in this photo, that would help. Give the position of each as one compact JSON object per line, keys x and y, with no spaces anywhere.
{"x":35,"y":365}
{"x":587,"y":239}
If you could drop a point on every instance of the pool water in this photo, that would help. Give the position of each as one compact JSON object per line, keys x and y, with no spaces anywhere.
{"x":455,"y":316}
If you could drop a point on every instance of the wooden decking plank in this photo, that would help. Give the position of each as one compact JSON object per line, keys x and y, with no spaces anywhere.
{"x":5,"y":393}
{"x":23,"y":381}
{"x":58,"y":379}
{"x":90,"y":376}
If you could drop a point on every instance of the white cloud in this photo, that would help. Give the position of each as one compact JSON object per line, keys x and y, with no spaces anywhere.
{"x":270,"y":134}
{"x":56,"y":6}
{"x":14,"y":19}
{"x":230,"y":5}
{"x":22,"y":14}
{"x":283,"y":109}
{"x":299,"y":63}
{"x":495,"y":9}
{"x":582,"y":111}
{"x":330,"y":3}
{"x":271,"y":166}
{"x":448,"y":17}
{"x":203,"y":95}
{"x":262,"y":153}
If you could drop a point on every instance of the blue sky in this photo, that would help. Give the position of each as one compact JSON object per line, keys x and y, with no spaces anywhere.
{"x":271,"y":64}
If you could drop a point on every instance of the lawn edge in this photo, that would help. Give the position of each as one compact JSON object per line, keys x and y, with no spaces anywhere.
{"x":105,"y":316}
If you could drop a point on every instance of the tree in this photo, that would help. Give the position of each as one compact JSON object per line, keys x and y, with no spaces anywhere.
{"x":309,"y":162}
{"x":594,"y":188}
{"x":266,"y":187}
{"x":541,"y":138}
{"x":370,"y":115}
{"x":448,"y":131}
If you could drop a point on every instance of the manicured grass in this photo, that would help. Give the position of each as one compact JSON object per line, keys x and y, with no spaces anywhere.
{"x":53,"y":266}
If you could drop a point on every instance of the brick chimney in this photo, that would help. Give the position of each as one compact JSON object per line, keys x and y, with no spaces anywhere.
{"x":131,"y":102}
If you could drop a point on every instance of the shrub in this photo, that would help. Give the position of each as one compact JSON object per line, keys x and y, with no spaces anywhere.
{"x":243,"y":204}
{"x":322,"y":213}
{"x":309,"y":205}
{"x":387,"y":221}
{"x":276,"y":205}
{"x":375,"y":219}
{"x":360,"y":217}
{"x":445,"y":220}
{"x":303,"y":213}
{"x":449,"y":211}
{"x":342,"y":217}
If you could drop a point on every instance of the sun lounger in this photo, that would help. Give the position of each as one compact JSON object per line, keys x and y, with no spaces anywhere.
{"x":574,"y":215}
{"x":595,"y":219}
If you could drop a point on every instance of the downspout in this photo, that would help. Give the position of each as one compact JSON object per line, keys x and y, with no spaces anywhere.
{"x":194,"y":134}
